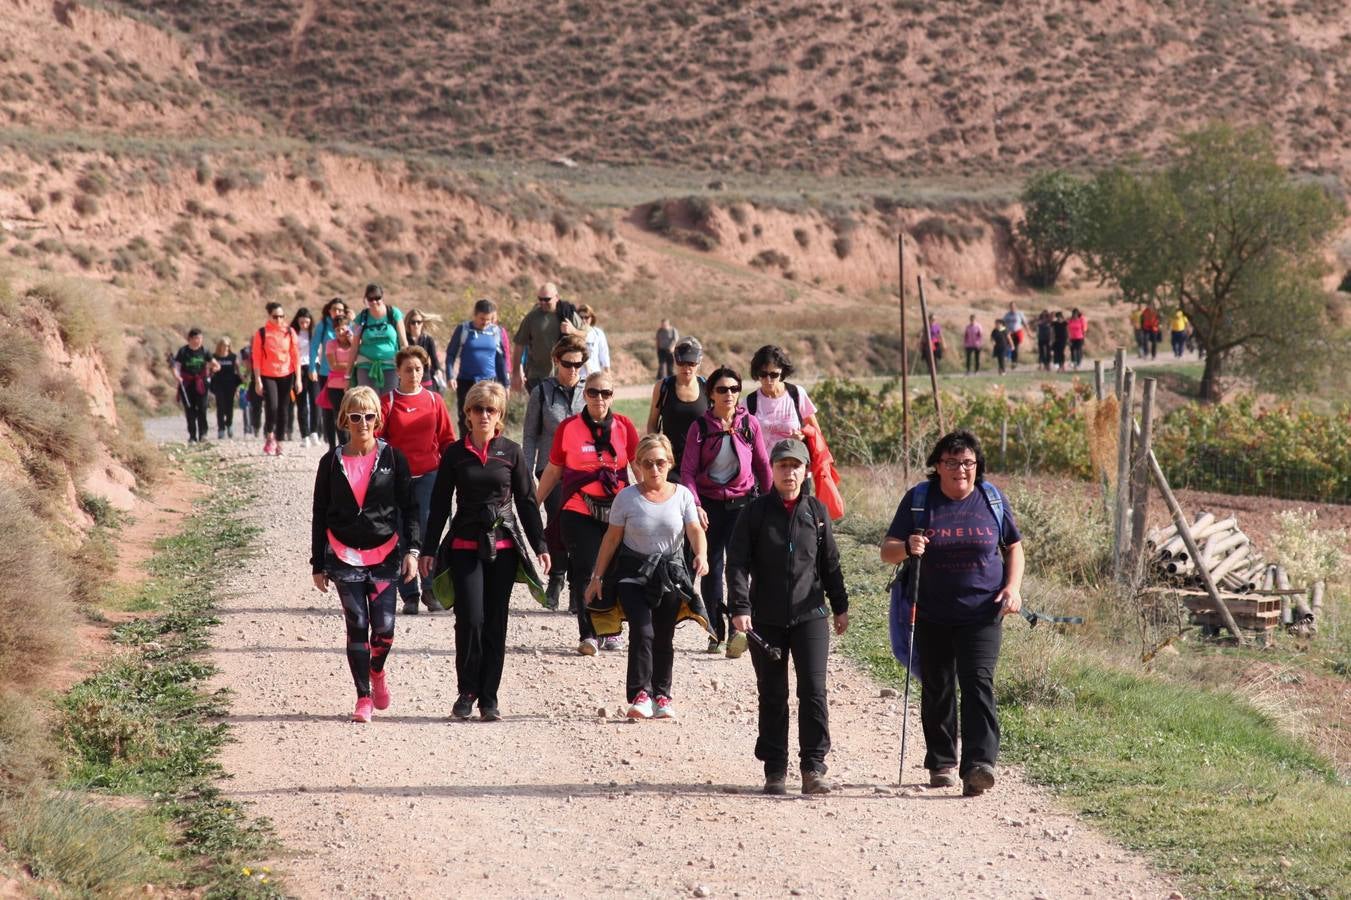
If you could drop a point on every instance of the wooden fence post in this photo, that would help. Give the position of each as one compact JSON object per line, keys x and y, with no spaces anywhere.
{"x":1140,"y":475}
{"x":1118,"y":373}
{"x":1097,"y":379}
{"x":905,"y":367}
{"x":1121,"y":509}
{"x":929,"y":355}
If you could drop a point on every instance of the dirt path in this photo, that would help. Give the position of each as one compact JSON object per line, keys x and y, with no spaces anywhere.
{"x":557,"y":800}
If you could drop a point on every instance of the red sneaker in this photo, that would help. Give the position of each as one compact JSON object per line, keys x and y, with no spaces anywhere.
{"x":363,"y":711}
{"x":379,"y":690}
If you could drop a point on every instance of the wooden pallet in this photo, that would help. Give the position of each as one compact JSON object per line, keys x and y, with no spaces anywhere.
{"x":1251,"y":612}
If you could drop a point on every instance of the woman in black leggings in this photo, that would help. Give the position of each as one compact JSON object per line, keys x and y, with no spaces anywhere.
{"x":224,"y":384}
{"x":362,"y":490}
{"x":483,"y":549}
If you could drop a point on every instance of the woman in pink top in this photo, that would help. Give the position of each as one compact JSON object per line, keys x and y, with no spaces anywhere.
{"x":417,"y":422}
{"x":971,"y":341}
{"x":363,"y":506}
{"x":341,"y":352}
{"x":1078,"y":330}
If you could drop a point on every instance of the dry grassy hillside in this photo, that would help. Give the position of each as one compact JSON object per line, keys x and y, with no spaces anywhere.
{"x":868,"y":86}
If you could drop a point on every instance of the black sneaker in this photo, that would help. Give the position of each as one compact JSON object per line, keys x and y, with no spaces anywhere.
{"x":464,"y":707}
{"x":554,"y":591}
{"x":429,"y":600}
{"x":776,"y":784}
{"x":814,"y":782}
{"x":410,"y":607}
{"x":979,"y":780}
{"x":489,"y":713}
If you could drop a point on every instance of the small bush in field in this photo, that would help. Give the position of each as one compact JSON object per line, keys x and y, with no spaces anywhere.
{"x":766,"y":259}
{"x":803,"y":237}
{"x":1307,"y":552}
{"x":85,"y":205}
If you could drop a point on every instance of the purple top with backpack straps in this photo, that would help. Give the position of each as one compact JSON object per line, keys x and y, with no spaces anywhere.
{"x":702,"y":443}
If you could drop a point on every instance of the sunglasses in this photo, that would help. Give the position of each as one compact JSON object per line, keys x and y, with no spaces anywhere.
{"x":279,"y":318}
{"x":414,"y":321}
{"x":357,"y":418}
{"x":570,"y":365}
{"x":725,"y":389}
{"x":655,"y":463}
{"x":687,"y":362}
{"x":771,"y":376}
{"x":484,"y":410}
{"x":543,"y":299}
{"x":602,"y":393}
{"x":375,"y":299}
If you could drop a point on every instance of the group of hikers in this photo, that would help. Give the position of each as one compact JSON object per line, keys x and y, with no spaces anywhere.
{"x":719,"y":512}
{"x":1059,"y":340}
{"x":1147,"y":325}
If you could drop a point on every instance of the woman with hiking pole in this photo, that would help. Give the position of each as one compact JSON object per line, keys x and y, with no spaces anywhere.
{"x":495,"y":516}
{"x":973,"y":571}
{"x":363,"y":510}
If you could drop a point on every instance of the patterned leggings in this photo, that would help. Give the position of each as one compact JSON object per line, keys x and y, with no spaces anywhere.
{"x":369,"y":596}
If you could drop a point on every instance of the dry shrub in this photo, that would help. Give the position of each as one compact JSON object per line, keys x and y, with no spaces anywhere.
{"x":26,"y":749}
{"x":1102,"y":420}
{"x":38,"y":622}
{"x":84,"y":314}
{"x":48,"y":411}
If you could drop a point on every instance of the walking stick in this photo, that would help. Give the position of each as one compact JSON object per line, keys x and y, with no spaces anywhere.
{"x":910,"y":656}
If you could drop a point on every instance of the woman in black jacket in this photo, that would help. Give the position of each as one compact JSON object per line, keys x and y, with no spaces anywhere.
{"x":363,"y":505}
{"x":483,"y":548}
{"x":782,"y":564}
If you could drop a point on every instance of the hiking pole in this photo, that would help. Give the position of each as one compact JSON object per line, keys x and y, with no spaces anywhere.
{"x":910,"y":656}
{"x":773,"y":652}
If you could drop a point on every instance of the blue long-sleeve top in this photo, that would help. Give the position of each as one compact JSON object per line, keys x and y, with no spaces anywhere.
{"x":323,"y":333}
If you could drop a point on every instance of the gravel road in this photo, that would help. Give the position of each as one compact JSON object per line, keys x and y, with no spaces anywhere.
{"x":559,"y":799}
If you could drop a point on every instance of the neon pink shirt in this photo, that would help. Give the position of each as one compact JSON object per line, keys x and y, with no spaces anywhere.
{"x":1077,"y":328}
{"x":358,"y":471}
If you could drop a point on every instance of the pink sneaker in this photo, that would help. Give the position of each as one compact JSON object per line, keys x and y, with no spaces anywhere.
{"x":276,"y":448}
{"x":641,"y":708}
{"x":268,"y":444}
{"x":363,"y":711}
{"x":379,"y":690}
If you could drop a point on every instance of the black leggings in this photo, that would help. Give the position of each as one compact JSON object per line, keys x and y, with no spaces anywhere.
{"x":194,"y":407}
{"x":482,"y":597}
{"x":1076,"y":350}
{"x":332,"y":433}
{"x":277,"y":404}
{"x":582,"y":536}
{"x":973,"y":359}
{"x":225,"y":410}
{"x":721,"y":521}
{"x":651,"y":640}
{"x":368,"y":607}
{"x":306,"y":411}
{"x":808,"y":643}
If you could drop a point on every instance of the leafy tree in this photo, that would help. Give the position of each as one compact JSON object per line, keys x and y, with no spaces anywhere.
{"x":1227,"y":235}
{"x":1052,"y":227}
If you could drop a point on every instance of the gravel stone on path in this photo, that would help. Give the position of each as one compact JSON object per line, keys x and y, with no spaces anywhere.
{"x":556,"y":800}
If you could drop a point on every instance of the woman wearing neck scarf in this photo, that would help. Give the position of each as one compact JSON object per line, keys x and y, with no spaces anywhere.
{"x":724,"y":465}
{"x":590,"y":458}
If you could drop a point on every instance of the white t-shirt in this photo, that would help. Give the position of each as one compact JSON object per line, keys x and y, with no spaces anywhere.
{"x":653,"y":527}
{"x":777,"y":419}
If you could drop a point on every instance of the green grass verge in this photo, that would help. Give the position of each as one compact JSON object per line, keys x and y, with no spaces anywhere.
{"x":1208,"y":787}
{"x":144,"y":727}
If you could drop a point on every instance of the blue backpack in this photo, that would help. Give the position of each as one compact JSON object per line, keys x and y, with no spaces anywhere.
{"x":898,"y":618}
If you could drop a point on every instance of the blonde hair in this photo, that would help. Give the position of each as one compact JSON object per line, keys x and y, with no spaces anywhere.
{"x":360,"y":399}
{"x":601,"y":375}
{"x":587,"y":314}
{"x":650,"y":442}
{"x":223,"y":346}
{"x":488,"y":393}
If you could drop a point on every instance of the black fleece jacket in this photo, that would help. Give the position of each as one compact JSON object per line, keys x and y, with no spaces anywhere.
{"x":780,"y":570}
{"x":480,"y":487}
{"x":389,"y":498}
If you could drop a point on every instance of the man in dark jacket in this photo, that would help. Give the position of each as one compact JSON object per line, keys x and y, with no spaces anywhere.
{"x":782,"y":564}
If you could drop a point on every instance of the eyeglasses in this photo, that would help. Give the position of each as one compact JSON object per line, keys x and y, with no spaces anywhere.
{"x":570,"y":365}
{"x":484,"y":410}
{"x":601,"y":393}
{"x":952,"y":465}
{"x":726,"y":389}
{"x":357,"y":418}
{"x":655,"y":463}
{"x":771,"y":376}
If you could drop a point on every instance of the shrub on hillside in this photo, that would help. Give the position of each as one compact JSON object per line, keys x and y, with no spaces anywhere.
{"x":84,"y":316}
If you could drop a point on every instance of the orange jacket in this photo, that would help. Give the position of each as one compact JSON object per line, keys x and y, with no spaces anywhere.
{"x":276,"y":351}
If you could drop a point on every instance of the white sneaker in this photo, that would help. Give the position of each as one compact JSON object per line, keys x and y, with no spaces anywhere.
{"x":665,"y":709}
{"x":641,"y":707}
{"x":588,"y":647}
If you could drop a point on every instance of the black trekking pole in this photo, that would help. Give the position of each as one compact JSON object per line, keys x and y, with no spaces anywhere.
{"x":910,"y":656}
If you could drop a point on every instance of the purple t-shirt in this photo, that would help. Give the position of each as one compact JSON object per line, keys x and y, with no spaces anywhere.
{"x":962,"y":569}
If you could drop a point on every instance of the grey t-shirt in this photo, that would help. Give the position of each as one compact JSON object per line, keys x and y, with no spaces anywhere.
{"x":653,"y":527}
{"x":667,"y":337}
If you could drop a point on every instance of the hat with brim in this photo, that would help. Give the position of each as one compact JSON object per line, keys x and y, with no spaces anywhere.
{"x":790,"y":448}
